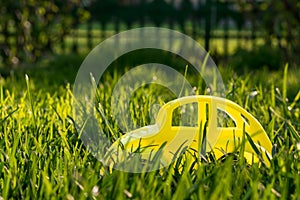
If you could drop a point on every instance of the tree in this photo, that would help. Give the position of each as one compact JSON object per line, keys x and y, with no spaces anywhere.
{"x":280,"y":22}
{"x":31,"y":28}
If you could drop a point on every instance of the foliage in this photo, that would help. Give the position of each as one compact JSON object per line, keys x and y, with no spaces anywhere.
{"x":258,"y":58}
{"x":31,"y":28}
{"x":279,"y":21}
{"x":285,"y":26}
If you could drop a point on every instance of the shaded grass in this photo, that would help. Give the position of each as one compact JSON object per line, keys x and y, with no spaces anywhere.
{"x":41,"y":155}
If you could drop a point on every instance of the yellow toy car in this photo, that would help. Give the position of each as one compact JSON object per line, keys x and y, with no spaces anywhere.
{"x":203,"y":133}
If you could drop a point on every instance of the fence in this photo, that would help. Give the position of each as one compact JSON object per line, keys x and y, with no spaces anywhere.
{"x":207,"y":21}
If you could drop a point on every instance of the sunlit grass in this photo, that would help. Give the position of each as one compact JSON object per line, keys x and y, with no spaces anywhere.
{"x":42,"y":157}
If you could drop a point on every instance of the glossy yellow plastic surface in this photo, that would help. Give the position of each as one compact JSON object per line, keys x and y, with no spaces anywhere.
{"x":218,"y":139}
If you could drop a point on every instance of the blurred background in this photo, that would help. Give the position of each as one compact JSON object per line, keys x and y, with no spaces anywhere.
{"x":250,"y":34}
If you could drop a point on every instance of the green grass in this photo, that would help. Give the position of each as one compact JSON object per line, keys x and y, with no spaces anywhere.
{"x":216,"y":42}
{"x":42,"y":156}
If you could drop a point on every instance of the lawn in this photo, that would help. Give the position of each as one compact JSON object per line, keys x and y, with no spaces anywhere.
{"x":42,"y":156}
{"x":235,"y":38}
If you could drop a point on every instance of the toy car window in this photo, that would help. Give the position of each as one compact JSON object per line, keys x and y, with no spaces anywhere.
{"x":185,"y":115}
{"x":224,"y":120}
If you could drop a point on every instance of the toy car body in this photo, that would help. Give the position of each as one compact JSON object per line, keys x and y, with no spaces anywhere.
{"x":205,"y":135}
